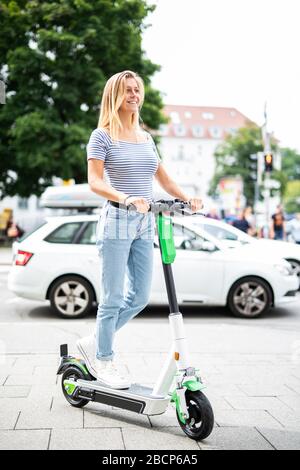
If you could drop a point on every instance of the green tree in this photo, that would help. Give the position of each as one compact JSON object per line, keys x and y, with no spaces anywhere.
{"x":292,"y":196}
{"x":233,"y":158}
{"x":291,"y":163}
{"x":55,"y":58}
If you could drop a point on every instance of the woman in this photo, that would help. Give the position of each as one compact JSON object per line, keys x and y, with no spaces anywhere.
{"x":127,"y":154}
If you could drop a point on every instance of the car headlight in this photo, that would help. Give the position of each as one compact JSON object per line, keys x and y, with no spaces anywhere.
{"x":284,"y":269}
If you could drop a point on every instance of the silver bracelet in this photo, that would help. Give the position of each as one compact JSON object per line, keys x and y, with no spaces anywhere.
{"x":124,"y":202}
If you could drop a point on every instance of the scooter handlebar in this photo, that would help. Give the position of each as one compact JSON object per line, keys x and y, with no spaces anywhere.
{"x":168,"y":205}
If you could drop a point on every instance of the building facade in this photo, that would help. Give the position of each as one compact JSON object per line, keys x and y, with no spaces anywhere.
{"x":189,"y":140}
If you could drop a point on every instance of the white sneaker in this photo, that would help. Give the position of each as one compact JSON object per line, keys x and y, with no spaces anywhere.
{"x":107,"y":374}
{"x":87,"y":348}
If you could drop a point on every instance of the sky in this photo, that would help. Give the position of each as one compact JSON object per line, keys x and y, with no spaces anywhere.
{"x":235,"y":53}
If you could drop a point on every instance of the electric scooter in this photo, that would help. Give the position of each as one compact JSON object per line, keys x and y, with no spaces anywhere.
{"x":193,"y":409}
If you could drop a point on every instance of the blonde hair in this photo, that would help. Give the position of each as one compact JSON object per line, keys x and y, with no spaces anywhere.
{"x":112,"y":98}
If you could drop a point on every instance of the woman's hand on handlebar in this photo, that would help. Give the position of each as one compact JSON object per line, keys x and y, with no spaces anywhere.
{"x":139,"y":202}
{"x":196,"y":204}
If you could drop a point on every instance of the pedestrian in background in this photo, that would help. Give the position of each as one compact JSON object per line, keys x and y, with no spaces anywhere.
{"x":249,"y":216}
{"x":242,"y":223}
{"x":213,"y":213}
{"x":277,"y":228}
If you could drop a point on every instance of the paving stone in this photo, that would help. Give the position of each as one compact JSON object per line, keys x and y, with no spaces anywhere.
{"x":8,"y":418}
{"x":9,"y":405}
{"x":30,"y":380}
{"x":293,"y":384}
{"x":292,"y":401}
{"x":37,"y":392}
{"x":45,"y":371}
{"x":236,"y":438}
{"x":158,"y":439}
{"x":24,"y":440}
{"x":7,"y":360}
{"x":256,"y":403}
{"x":288,"y":418}
{"x":36,"y":360}
{"x":87,"y":439}
{"x":218,"y":403}
{"x":21,"y":370}
{"x":62,"y":418}
{"x":250,"y":418}
{"x":14,"y":391}
{"x":222,"y":390}
{"x":266,"y":390}
{"x":282,"y":440}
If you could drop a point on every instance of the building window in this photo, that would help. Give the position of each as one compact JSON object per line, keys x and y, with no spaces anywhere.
{"x":175,"y":117}
{"x":187,"y":114}
{"x":208,"y":115}
{"x":215,"y":132}
{"x":232,"y":130}
{"x":197,"y":130}
{"x":179,"y":130}
{"x":232,"y":113}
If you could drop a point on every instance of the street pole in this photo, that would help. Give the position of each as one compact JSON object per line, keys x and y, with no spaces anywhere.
{"x":267,"y":148}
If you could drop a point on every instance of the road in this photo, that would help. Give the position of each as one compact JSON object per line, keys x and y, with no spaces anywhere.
{"x":17,"y":309}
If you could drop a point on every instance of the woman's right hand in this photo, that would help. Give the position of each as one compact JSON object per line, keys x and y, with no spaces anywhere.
{"x":140,"y":203}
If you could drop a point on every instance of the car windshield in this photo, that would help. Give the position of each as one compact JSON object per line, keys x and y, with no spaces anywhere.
{"x":221,"y":232}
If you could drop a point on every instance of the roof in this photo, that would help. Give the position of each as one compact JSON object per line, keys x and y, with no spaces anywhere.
{"x":204,"y":122}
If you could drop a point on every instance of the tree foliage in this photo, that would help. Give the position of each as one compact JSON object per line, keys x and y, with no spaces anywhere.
{"x":55,"y":58}
{"x":233,"y":158}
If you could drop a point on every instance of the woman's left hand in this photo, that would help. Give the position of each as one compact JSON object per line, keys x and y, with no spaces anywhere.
{"x":196,"y":203}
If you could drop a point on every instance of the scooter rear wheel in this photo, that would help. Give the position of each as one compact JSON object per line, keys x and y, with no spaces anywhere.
{"x":200,"y":423}
{"x":73,"y":373}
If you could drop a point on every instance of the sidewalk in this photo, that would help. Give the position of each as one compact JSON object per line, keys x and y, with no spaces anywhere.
{"x":252,"y":378}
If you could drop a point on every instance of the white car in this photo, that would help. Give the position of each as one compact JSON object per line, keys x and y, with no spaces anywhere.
{"x":234,"y":237}
{"x":59,"y":261}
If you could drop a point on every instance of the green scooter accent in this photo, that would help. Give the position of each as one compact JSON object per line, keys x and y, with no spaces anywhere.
{"x":80,"y":365}
{"x":69,"y":387}
{"x":193,"y":385}
{"x":165,"y":233}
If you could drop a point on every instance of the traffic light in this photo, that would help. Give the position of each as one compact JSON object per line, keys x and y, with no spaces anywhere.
{"x":268,"y":161}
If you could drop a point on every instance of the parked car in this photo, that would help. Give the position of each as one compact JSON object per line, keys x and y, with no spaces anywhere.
{"x":59,"y":262}
{"x":234,"y":237}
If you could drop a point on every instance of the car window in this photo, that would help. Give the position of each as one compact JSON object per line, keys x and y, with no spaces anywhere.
{"x":65,"y":233}
{"x":26,"y":234}
{"x":186,"y":239}
{"x":219,"y":232}
{"x":89,"y":235}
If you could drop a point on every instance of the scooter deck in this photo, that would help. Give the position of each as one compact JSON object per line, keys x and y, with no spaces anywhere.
{"x":137,"y":398}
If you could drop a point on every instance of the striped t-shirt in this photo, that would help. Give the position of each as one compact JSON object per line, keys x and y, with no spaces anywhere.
{"x":129,"y":167}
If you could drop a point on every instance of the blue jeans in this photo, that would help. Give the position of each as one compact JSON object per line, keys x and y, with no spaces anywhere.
{"x":125,"y":246}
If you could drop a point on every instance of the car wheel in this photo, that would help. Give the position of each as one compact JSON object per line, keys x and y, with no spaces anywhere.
{"x":249,"y":297}
{"x":71,"y":297}
{"x":296,"y":268}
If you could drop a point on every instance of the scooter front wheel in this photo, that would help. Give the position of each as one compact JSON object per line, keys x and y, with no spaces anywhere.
{"x":200,"y":423}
